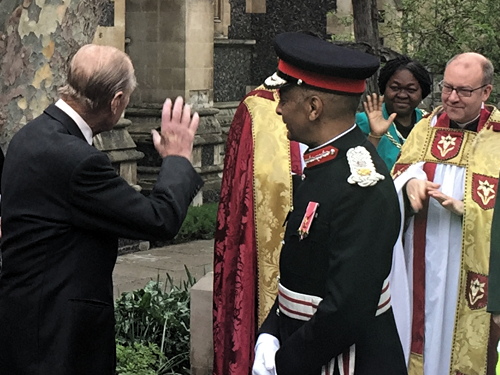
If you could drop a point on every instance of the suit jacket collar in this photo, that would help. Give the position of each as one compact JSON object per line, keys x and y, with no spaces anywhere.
{"x":59,"y":115}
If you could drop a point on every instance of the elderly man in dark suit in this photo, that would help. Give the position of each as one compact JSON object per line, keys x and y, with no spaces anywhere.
{"x":64,"y":208}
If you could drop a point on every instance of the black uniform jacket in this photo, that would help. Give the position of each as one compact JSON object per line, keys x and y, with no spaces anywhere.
{"x":344,"y":260}
{"x":64,"y":208}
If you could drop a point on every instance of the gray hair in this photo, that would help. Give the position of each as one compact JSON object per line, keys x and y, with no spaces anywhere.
{"x":488,"y":72}
{"x":96,"y":74}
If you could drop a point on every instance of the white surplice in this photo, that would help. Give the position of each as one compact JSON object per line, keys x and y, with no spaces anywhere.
{"x":442,"y":269}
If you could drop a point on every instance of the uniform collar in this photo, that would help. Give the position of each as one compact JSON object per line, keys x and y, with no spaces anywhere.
{"x":333,"y":139}
{"x":325,"y":152}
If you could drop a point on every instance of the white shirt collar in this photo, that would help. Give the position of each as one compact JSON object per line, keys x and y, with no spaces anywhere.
{"x":80,"y":122}
{"x":335,"y":138}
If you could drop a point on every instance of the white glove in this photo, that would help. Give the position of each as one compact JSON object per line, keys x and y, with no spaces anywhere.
{"x":265,"y":349}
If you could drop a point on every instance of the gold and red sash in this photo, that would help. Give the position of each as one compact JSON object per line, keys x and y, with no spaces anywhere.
{"x":479,"y":154}
{"x":272,"y":189}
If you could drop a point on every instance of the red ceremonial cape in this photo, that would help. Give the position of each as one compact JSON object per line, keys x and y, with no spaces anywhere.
{"x":235,"y":255}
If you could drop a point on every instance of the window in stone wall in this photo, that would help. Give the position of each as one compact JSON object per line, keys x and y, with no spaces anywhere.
{"x":256,"y":6}
{"x":107,"y":16}
{"x":218,"y":10}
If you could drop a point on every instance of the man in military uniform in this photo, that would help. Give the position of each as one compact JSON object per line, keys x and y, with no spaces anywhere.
{"x":333,"y":313}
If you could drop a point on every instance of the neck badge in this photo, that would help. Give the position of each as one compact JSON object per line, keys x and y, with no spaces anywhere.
{"x":305,"y":225}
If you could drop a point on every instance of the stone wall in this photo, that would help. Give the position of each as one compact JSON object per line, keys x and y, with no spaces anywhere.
{"x":222,"y":18}
{"x":244,"y":59}
{"x":280,"y":16}
{"x":208,"y":153}
{"x":155,"y":42}
{"x":174,"y":51}
{"x":171,"y":45}
{"x":111,"y":29}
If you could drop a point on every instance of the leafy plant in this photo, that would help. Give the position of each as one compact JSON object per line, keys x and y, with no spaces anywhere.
{"x":433,"y":31}
{"x":442,"y":28}
{"x":138,"y":358}
{"x":154,"y":318}
{"x":199,"y":223}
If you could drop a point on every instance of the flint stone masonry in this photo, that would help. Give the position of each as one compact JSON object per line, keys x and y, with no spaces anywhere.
{"x":107,"y":16}
{"x":233,"y":68}
{"x":279,"y":16}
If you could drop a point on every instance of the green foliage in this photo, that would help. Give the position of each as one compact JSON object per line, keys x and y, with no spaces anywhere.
{"x":443,"y":28}
{"x":152,"y":329}
{"x":138,"y":358}
{"x":433,"y":31}
{"x":199,"y":223}
{"x":345,"y":23}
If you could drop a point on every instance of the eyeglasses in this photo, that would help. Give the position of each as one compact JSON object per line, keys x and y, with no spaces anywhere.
{"x":462,"y":92}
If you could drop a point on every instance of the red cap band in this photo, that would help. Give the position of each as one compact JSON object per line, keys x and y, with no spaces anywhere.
{"x":352,"y":86}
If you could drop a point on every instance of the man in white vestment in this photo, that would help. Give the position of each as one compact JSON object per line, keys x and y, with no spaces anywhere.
{"x":446,"y":177}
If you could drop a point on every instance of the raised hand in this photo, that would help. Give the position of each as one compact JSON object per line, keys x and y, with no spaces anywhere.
{"x":178,"y":129}
{"x":373,"y":109}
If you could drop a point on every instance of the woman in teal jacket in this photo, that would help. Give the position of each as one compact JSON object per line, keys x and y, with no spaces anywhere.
{"x":388,"y":120}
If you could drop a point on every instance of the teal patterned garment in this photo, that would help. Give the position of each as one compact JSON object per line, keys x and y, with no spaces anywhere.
{"x":389,"y":145}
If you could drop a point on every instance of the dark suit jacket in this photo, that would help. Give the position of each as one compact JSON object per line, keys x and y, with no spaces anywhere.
{"x":64,"y":208}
